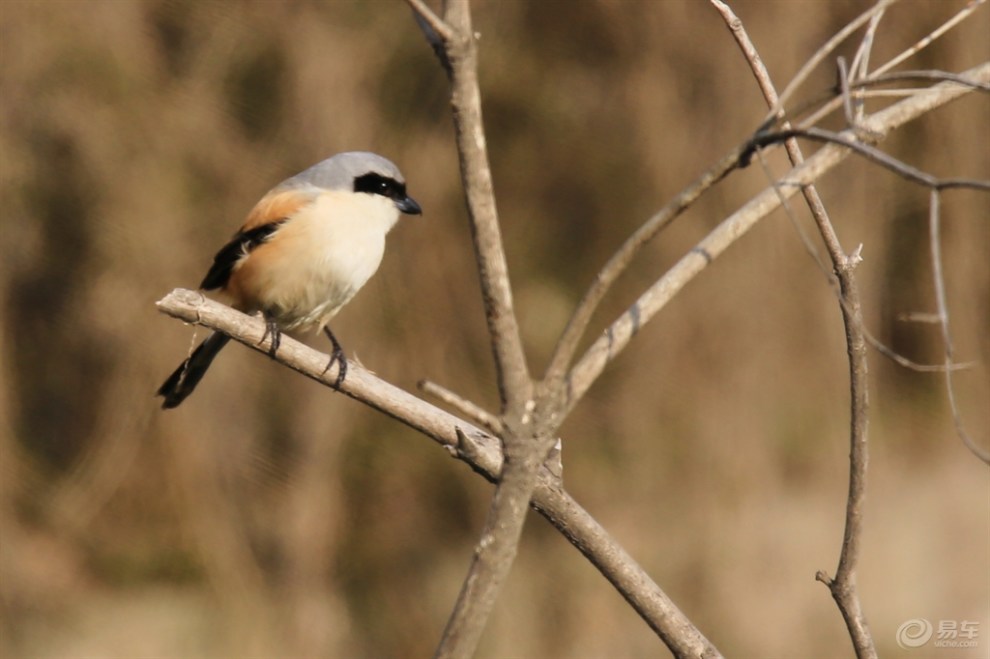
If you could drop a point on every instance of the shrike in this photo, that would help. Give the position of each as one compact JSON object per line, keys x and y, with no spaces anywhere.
{"x":305,"y":249}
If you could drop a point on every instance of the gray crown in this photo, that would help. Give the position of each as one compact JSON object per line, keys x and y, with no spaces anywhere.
{"x":339,"y":171}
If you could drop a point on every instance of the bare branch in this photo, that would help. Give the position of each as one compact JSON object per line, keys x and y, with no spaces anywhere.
{"x":846,"y":96}
{"x":662,"y":615}
{"x":843,"y":588}
{"x":824,"y":52}
{"x":871,"y":153}
{"x":860,"y":76}
{"x":617,"y":336}
{"x":484,"y":456}
{"x":436,"y":31}
{"x":490,"y":422}
{"x":861,"y":62}
{"x":524,"y":444}
{"x":492,"y":561}
{"x":929,"y":75}
{"x":829,"y":102}
{"x":943,"y":316}
{"x":459,"y":47}
{"x":963,"y":13}
{"x":567,"y":345}
{"x":903,"y":361}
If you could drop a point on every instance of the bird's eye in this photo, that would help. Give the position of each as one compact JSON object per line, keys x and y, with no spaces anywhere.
{"x":380,"y":185}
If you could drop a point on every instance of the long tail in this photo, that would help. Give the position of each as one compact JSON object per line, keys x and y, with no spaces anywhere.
{"x":185,"y":378}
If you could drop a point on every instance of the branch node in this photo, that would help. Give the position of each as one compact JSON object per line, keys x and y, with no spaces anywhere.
{"x":855,"y":258}
{"x":437,"y":32}
{"x":465,"y":448}
{"x":554,"y":462}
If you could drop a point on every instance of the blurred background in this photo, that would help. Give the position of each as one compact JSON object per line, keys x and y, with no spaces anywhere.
{"x":270,"y":517}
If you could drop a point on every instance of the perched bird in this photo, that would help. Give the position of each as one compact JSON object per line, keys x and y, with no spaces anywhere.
{"x":305,"y":249}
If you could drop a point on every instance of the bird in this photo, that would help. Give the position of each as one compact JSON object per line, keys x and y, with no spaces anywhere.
{"x":305,"y":249}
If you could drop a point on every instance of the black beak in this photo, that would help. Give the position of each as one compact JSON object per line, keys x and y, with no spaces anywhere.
{"x":408,"y":206}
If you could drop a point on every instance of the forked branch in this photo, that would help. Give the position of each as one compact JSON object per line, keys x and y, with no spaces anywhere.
{"x":453,"y":39}
{"x":843,"y":587}
{"x":620,"y":332}
{"x":480,"y":450}
{"x":525,"y":441}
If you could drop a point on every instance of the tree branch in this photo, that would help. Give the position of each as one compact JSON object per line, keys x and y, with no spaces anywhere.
{"x":567,"y":345}
{"x":525,"y":445}
{"x":843,"y":588}
{"x":923,"y":43}
{"x":871,"y":153}
{"x":455,"y":42}
{"x":934,"y":233}
{"x":476,"y":414}
{"x":492,"y":560}
{"x":824,"y":52}
{"x":480,"y":450}
{"x":618,"y":334}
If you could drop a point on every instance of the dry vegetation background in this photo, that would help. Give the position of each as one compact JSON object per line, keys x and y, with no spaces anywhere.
{"x":270,"y":517}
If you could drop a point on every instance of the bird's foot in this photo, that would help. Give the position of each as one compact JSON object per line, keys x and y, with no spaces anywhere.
{"x":336,"y":355}
{"x":272,"y":330}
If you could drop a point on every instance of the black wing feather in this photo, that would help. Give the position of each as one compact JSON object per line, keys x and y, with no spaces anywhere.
{"x":242,"y":243}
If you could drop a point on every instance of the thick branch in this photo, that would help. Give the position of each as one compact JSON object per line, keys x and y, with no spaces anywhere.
{"x":454,"y":41}
{"x":492,"y":561}
{"x":459,"y":50}
{"x":476,"y":448}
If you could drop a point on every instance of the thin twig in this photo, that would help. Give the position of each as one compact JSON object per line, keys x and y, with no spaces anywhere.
{"x":823,"y":52}
{"x":970,"y":7}
{"x":943,"y":315}
{"x":929,"y":75}
{"x":436,"y":29}
{"x":884,"y":93}
{"x":849,"y":141}
{"x":472,"y":411}
{"x":874,"y":342}
{"x":829,"y":101}
{"x":861,"y":62}
{"x":617,"y":336}
{"x":568,"y":343}
{"x":852,"y":116}
{"x":844,"y":587}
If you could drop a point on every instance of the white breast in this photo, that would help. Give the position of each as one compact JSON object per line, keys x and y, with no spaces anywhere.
{"x":315,"y":263}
